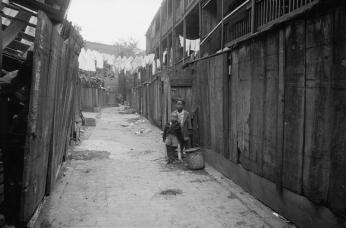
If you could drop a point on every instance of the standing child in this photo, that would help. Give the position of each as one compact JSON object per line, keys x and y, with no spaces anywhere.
{"x":185,"y":123}
{"x":173,"y":137}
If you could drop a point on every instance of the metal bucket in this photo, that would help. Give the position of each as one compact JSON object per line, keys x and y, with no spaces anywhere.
{"x":195,"y":159}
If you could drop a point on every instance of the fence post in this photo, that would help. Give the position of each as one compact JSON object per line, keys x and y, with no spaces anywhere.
{"x":253,"y":16}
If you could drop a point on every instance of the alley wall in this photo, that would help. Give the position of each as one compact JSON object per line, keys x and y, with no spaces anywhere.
{"x":271,"y":116}
{"x":270,"y":113}
{"x":52,"y":111}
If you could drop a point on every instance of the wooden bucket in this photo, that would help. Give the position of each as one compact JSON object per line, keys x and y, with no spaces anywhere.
{"x":195,"y":159}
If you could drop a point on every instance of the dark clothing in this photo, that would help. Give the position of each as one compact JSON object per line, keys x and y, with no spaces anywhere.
{"x":186,"y":128}
{"x":173,"y":128}
{"x":171,"y":153}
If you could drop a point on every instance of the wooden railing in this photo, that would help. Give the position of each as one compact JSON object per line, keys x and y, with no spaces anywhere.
{"x":253,"y":16}
{"x":188,"y":3}
{"x":270,"y":10}
{"x":238,"y":28}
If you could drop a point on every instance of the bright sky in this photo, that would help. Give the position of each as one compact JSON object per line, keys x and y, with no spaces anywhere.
{"x":106,"y":21}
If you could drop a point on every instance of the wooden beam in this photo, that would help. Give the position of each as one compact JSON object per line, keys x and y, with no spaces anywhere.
{"x":206,"y":3}
{"x":15,"y":28}
{"x":17,"y":45}
{"x":54,"y":14}
{"x":18,"y":19}
{"x":253,"y":16}
{"x":222,"y":25}
{"x":1,"y":37}
{"x":174,"y":35}
{"x":184,"y":31}
{"x":12,"y":53}
{"x":181,"y":82}
{"x":27,"y":37}
{"x":19,"y":8}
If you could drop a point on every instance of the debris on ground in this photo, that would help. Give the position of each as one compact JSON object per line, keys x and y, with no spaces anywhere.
{"x":140,"y":132}
{"x":147,"y":131}
{"x":90,"y":122}
{"x":140,"y":121}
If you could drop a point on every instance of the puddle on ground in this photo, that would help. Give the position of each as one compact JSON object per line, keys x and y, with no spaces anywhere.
{"x":134,"y":153}
{"x":200,"y":181}
{"x":89,"y":155}
{"x":127,"y":112}
{"x":133,"y":120}
{"x":171,"y":192}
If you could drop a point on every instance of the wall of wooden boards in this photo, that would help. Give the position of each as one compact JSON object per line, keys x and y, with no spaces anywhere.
{"x":271,"y":115}
{"x":153,"y":99}
{"x":51,"y":112}
{"x":275,"y":107}
{"x":92,"y":98}
{"x":3,"y":131}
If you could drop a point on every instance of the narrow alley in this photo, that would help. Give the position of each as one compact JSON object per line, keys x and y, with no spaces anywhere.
{"x":118,"y":177}
{"x":173,"y":113}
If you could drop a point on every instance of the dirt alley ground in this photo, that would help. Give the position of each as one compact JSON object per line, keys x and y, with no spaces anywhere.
{"x":118,"y":177}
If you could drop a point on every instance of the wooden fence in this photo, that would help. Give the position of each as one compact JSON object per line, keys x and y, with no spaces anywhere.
{"x":96,"y":98}
{"x":147,"y":99}
{"x":51,"y":112}
{"x":270,"y":114}
{"x":272,"y":118}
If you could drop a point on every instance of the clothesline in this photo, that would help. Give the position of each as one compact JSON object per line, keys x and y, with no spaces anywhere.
{"x":91,"y":60}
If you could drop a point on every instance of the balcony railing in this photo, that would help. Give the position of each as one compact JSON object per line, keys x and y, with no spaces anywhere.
{"x":270,"y":10}
{"x":240,"y":23}
{"x":236,"y":29}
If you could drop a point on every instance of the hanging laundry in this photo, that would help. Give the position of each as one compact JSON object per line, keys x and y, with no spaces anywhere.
{"x":158,"y":63}
{"x":164,"y":57}
{"x":99,"y":59}
{"x":181,"y":39}
{"x":87,"y":61}
{"x":171,"y":57}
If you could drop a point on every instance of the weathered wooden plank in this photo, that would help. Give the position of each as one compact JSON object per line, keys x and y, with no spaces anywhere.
{"x":281,"y":111}
{"x":257,"y":103}
{"x":54,"y":86}
{"x":36,"y":154}
{"x":270,"y":124}
{"x":54,"y":14}
{"x":204,"y":111}
{"x":340,"y":25}
{"x":233,"y":93}
{"x":337,"y":185}
{"x":15,"y":28}
{"x":243,"y":106}
{"x":3,"y":119}
{"x":225,"y":104}
{"x":16,"y":45}
{"x":337,"y":196}
{"x":319,"y":109}
{"x":216,"y":88}
{"x":294,"y":106}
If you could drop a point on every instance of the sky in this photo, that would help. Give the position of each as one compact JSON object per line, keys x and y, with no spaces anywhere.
{"x":107,"y":21}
